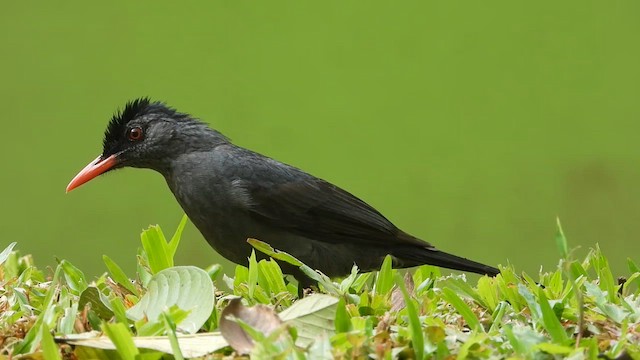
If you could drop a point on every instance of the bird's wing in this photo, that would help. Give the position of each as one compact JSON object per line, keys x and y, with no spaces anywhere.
{"x":316,"y":209}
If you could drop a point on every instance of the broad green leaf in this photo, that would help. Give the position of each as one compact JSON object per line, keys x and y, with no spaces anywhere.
{"x":188,"y":287}
{"x":312,"y":316}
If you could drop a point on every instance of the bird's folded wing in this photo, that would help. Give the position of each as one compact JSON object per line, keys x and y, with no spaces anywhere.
{"x":315,"y":209}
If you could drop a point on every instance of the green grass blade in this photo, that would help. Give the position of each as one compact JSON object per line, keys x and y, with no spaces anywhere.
{"x":605,"y":277}
{"x":497,"y":316}
{"x":157,"y":250}
{"x":518,"y":346}
{"x":283,"y":256}
{"x":175,"y":239}
{"x":463,"y":309}
{"x":4,"y":255}
{"x":49,"y":349}
{"x":142,"y":266}
{"x":74,"y":277}
{"x":461,"y":287}
{"x":273,"y":276}
{"x":632,"y":266}
{"x":170,"y":326}
{"x":550,"y":320}
{"x":417,"y":336}
{"x":561,"y":240}
{"x":118,"y":275}
{"x":343,"y":320}
{"x":279,"y":255}
{"x":119,"y":311}
{"x":122,"y":339}
{"x":213,"y":271}
{"x":252,"y":281}
{"x":384,"y":279}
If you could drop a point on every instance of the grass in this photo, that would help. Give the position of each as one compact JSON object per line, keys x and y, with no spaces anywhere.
{"x":577,"y":311}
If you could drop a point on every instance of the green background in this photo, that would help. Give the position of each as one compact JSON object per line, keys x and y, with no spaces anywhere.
{"x":469,"y":124}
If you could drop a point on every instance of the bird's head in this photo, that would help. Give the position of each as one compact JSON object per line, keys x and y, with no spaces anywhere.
{"x":147,"y":134}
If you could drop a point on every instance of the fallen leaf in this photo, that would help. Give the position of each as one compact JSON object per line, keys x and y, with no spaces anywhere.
{"x":397,"y":300}
{"x":191,"y":346}
{"x":260,"y":317}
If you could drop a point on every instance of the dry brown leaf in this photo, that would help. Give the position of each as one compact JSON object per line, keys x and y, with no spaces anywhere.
{"x":397,"y":300}
{"x":259,"y":317}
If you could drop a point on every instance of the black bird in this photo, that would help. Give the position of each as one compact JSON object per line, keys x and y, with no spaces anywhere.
{"x":231,"y":194}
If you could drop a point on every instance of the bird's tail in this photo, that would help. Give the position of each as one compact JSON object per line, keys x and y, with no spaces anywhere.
{"x":415,"y":256}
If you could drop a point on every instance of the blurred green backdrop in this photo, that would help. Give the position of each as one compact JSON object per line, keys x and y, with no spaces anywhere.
{"x":469,"y":124}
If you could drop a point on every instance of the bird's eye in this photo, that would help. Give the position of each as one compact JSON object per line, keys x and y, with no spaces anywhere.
{"x":135,"y":134}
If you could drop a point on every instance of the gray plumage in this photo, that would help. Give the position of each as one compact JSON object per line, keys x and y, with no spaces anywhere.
{"x":231,"y":194}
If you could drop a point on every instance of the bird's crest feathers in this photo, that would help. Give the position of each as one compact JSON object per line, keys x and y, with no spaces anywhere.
{"x":134,"y":109}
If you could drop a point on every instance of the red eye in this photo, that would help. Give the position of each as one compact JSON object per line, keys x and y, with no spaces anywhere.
{"x":135,"y":134}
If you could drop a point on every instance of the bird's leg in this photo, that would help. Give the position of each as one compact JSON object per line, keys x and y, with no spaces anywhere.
{"x":304,"y":282}
{"x":305,"y":286}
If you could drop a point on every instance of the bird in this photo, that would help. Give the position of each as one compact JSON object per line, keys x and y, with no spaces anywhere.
{"x":231,"y":194}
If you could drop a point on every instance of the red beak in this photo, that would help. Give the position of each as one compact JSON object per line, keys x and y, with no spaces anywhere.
{"x":95,"y":168}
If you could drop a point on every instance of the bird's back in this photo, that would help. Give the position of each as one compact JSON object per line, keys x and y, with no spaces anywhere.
{"x":233,"y":194}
